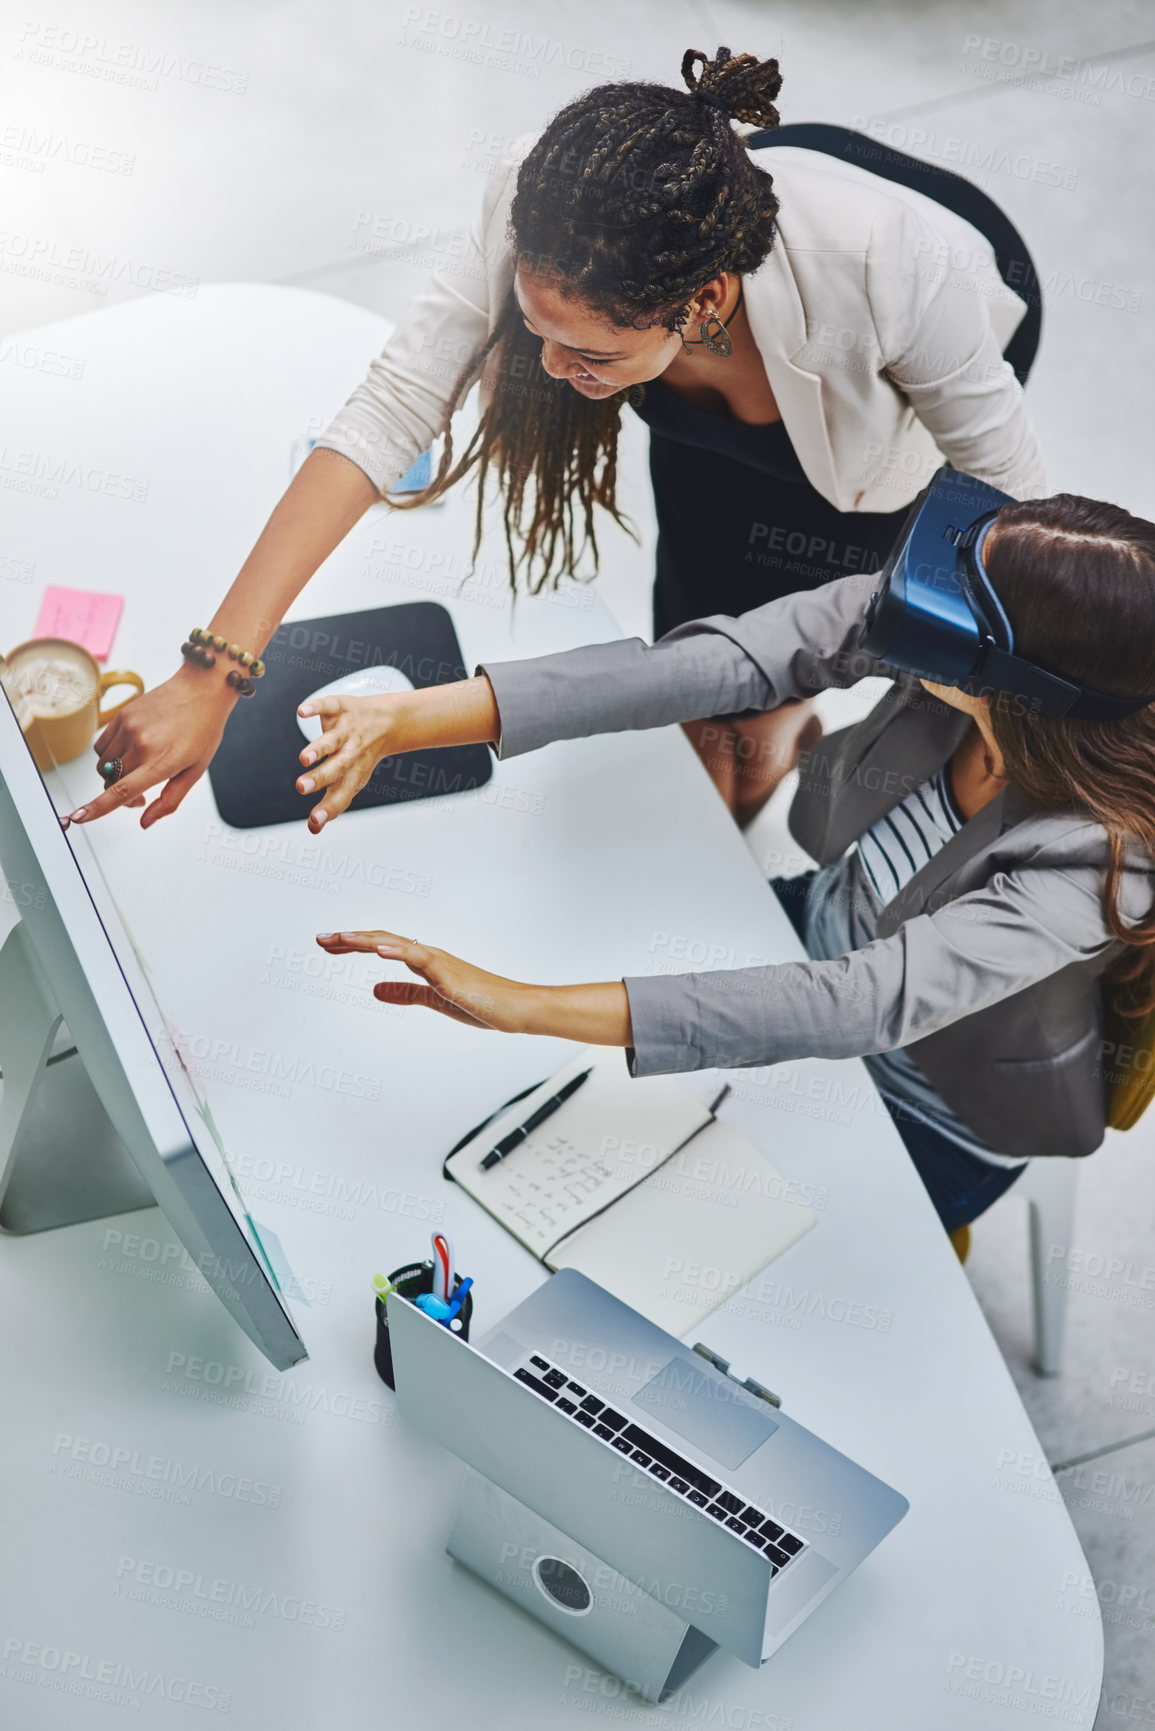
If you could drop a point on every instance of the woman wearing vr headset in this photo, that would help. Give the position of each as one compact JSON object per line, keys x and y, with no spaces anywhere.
{"x":985,"y":839}
{"x":803,"y":347}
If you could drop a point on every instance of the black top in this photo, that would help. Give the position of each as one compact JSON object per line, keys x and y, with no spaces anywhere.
{"x":738,"y":521}
{"x":766,"y":448}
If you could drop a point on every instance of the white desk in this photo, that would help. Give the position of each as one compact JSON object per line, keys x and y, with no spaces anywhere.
{"x":329,"y":1602}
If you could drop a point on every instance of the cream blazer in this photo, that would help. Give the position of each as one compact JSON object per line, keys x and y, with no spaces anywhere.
{"x":879,"y":315}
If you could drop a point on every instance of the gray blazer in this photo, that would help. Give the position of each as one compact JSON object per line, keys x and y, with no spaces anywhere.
{"x":986,"y":967}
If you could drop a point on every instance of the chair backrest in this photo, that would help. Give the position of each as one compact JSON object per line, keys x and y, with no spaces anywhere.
{"x":954,"y":193}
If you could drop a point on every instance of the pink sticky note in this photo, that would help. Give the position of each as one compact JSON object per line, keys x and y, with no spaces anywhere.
{"x":82,"y":615}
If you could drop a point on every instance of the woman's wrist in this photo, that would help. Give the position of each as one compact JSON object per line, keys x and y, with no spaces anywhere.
{"x":594,"y":1015}
{"x":463,"y":713}
{"x":206,"y":684}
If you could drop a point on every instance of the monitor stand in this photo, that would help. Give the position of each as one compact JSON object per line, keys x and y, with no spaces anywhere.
{"x":630,"y":1632}
{"x":61,"y":1160}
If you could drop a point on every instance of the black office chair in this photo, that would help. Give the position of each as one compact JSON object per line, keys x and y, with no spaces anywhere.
{"x":954,"y":193}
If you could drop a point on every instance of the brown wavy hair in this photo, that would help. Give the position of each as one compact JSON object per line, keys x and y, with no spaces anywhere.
{"x":635,"y":195}
{"x":1077,"y":580}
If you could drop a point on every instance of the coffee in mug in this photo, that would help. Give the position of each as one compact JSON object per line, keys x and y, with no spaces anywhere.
{"x":55,"y":687}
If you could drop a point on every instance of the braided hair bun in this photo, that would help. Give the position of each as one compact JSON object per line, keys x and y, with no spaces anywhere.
{"x":739,"y":86}
{"x":636,"y":194}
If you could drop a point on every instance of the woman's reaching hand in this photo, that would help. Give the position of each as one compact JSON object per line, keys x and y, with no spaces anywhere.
{"x":166,"y":735}
{"x":358,"y":732}
{"x":597,"y":1014}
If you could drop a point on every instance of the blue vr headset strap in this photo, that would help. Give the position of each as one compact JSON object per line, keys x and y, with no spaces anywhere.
{"x":999,"y":667}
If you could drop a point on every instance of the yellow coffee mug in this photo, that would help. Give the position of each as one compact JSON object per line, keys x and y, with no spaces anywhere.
{"x":55,"y":687}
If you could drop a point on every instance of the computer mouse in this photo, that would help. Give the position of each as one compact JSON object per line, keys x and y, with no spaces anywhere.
{"x":377,"y":681}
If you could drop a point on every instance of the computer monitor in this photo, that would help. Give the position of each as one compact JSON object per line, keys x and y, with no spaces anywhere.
{"x":105,"y":1117}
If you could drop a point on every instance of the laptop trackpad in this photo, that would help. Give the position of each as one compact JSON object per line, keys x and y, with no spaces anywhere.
{"x":707,"y":1410}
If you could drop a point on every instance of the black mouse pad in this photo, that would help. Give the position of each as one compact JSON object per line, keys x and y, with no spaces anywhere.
{"x":253,"y":772}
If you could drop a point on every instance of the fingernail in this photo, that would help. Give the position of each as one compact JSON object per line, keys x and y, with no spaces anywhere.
{"x":79,"y":816}
{"x":306,"y":784}
{"x":387,"y":950}
{"x":320,"y":817}
{"x":305,"y":709}
{"x":325,"y":937}
{"x":309,"y":757}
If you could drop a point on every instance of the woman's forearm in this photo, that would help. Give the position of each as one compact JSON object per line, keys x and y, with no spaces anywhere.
{"x":326,"y":497}
{"x":593,"y":1015}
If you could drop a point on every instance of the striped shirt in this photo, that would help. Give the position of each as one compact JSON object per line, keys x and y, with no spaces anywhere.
{"x":901,"y":843}
{"x":842,"y":910}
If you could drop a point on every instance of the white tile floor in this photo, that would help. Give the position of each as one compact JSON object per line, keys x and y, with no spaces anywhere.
{"x":145,"y":147}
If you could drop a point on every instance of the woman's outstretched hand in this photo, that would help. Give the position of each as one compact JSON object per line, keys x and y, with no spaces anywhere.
{"x":166,"y":735}
{"x":359,"y":731}
{"x":449,"y":985}
{"x":597,"y":1015}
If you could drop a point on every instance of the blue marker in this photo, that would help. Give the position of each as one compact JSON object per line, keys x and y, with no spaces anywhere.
{"x":459,"y":1298}
{"x":437,"y":1307}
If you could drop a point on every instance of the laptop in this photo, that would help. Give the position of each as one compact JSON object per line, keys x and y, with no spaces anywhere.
{"x":616,"y":1470}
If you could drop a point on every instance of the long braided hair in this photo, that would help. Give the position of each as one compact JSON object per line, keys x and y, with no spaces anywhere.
{"x":634,"y":197}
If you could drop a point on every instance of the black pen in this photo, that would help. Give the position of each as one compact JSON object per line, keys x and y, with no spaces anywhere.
{"x":546,"y":1110}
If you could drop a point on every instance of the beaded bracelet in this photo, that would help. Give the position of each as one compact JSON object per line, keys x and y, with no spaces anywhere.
{"x":200,"y":647}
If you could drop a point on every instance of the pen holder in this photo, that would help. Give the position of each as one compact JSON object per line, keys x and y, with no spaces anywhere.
{"x":409,"y":1282}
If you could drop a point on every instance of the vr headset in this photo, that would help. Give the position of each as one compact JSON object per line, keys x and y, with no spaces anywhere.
{"x":935,"y":614}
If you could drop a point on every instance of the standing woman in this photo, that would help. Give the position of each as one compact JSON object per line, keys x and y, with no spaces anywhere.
{"x":802,"y":356}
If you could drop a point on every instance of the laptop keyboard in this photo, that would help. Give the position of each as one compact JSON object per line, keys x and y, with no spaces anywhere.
{"x":690,"y":1482}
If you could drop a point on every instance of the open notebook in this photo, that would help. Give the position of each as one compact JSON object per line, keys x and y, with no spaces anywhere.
{"x":635,"y":1183}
